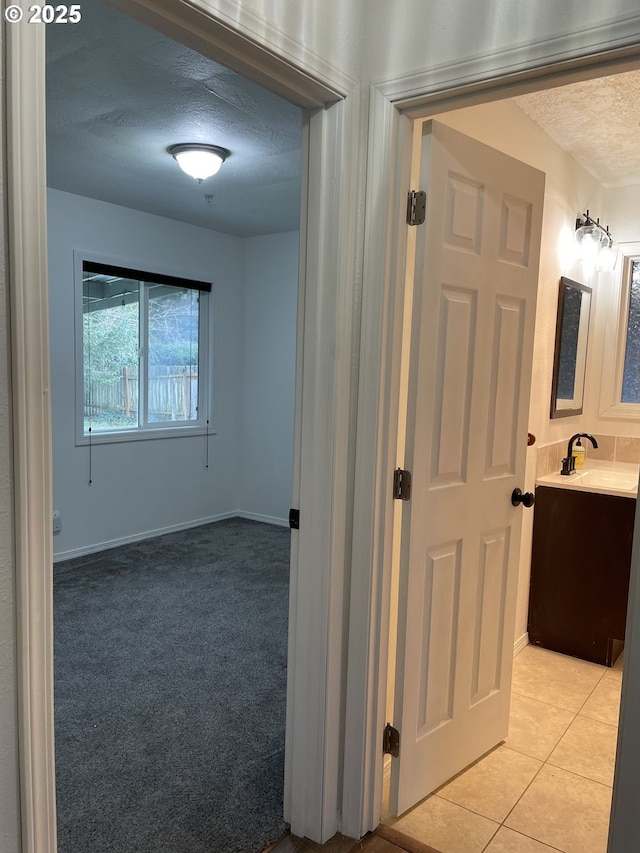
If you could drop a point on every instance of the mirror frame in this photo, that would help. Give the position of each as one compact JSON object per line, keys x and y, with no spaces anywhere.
{"x":583,"y":334}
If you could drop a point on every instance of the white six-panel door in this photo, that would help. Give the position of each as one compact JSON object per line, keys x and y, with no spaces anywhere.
{"x":476,"y":272}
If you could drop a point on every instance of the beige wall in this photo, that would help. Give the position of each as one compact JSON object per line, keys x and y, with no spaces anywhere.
{"x":623,"y":212}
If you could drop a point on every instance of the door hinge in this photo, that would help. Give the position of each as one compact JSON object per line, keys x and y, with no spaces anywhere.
{"x":416,"y":207}
{"x":401,"y":485}
{"x":391,"y":741}
{"x":294,"y":519}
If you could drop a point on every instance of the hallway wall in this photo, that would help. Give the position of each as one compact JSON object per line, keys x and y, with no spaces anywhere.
{"x":375,"y":40}
{"x":9,"y":809}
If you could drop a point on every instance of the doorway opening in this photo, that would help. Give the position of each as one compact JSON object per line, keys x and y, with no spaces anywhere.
{"x":119,"y":95}
{"x":481,"y":122}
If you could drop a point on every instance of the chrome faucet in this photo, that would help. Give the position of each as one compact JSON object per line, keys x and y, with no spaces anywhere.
{"x":569,"y":463}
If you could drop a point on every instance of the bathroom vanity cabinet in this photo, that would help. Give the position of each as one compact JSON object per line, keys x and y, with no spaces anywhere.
{"x":580,"y":572}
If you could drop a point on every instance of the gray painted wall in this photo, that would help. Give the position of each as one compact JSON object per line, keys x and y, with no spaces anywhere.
{"x":145,"y":487}
{"x":270,"y":298}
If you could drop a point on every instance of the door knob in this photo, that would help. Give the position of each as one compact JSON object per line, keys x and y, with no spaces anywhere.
{"x":525,"y":498}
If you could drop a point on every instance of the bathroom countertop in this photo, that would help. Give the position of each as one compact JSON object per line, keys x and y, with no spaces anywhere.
{"x":599,"y":476}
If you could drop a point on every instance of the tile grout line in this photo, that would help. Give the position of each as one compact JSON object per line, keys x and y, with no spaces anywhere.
{"x":587,"y":717}
{"x":546,"y":761}
{"x":542,"y":764}
{"x":551,"y":705}
{"x":595,"y":686}
{"x":491,"y":839}
{"x":534,"y":777}
{"x":524,"y":835}
{"x":502,"y":823}
{"x":579,"y":775}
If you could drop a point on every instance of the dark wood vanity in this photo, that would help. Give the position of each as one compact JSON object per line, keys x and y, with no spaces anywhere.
{"x":580,"y":572}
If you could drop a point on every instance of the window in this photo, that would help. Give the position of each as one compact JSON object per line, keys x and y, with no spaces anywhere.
{"x":631,"y":362}
{"x":620,"y":390}
{"x":143,"y":358}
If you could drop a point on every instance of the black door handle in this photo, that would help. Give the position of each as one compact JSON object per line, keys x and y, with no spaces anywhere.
{"x":525,"y":498}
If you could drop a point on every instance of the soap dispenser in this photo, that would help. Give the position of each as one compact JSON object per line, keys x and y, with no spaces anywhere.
{"x":579,"y":454}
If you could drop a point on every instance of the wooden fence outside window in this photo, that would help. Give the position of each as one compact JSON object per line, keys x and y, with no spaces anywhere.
{"x":172,"y":394}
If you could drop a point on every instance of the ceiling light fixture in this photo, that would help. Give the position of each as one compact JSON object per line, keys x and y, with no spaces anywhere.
{"x":595,"y":244}
{"x":198,"y":160}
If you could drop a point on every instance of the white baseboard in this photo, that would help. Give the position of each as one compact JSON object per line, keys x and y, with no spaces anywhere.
{"x":139,"y":537}
{"x":267,"y":519}
{"x":520,"y":644}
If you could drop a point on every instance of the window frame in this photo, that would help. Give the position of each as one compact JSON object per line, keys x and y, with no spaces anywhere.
{"x":611,"y":405}
{"x":146,"y":431}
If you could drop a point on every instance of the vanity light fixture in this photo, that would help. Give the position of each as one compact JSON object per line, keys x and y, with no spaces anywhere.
{"x":595,"y":244}
{"x":198,"y":160}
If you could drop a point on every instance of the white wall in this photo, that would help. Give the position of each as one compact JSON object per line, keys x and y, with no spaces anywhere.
{"x":413,"y":36}
{"x":142,"y":487}
{"x":270,"y":299}
{"x":374,"y":40}
{"x":623,"y":212}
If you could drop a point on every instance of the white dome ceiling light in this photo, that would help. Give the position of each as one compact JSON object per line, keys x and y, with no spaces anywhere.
{"x":198,"y":160}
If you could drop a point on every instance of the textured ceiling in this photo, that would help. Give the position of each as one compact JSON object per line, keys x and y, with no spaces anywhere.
{"x":597,"y":122}
{"x":118,"y":94}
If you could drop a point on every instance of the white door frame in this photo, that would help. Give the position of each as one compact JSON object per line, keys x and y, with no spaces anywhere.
{"x":393,"y":108}
{"x":326,"y":323}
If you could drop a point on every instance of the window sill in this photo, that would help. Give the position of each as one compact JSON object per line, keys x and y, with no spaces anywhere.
{"x":622,"y":411}
{"x":143,"y":435}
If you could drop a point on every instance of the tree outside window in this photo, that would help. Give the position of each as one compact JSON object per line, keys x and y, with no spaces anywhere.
{"x":141,"y":349}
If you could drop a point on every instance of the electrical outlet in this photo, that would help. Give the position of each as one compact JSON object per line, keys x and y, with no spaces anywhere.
{"x":57,"y":521}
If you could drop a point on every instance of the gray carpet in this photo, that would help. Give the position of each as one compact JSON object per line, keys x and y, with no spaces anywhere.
{"x":170,"y":680}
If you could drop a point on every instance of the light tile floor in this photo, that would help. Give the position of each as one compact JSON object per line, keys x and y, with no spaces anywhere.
{"x":548,"y":787}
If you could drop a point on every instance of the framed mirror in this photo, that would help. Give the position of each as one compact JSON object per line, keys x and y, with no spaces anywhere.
{"x":572,"y":331}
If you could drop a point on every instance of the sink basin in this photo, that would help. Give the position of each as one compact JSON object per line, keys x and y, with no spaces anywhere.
{"x":609,"y":478}
{"x":626,"y":481}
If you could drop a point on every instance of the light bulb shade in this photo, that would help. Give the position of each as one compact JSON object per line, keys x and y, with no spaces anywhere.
{"x":608,"y":257}
{"x":589,"y":239}
{"x":198,"y":160}
{"x":594,"y":245}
